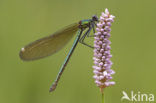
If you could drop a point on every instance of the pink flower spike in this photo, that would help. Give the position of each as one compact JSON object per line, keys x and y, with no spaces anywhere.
{"x":102,"y":63}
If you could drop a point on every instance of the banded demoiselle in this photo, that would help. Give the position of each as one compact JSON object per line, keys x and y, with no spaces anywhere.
{"x":51,"y":44}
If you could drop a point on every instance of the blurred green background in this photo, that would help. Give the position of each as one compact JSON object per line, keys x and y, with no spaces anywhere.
{"x":133,"y":48}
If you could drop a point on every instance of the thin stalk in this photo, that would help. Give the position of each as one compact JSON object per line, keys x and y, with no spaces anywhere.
{"x":102,"y":92}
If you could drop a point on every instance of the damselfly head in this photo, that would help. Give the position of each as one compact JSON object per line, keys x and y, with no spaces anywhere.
{"x":94,"y":18}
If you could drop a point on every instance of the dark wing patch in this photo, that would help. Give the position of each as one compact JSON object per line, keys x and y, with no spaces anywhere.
{"x":48,"y":45}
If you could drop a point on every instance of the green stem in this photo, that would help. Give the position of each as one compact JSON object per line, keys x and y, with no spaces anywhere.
{"x":102,"y":97}
{"x":102,"y":91}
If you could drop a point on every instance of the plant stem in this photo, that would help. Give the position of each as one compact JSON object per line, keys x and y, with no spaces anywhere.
{"x":102,"y":91}
{"x":102,"y":97}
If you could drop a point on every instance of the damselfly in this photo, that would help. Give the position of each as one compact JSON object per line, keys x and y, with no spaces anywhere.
{"x":49,"y":45}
